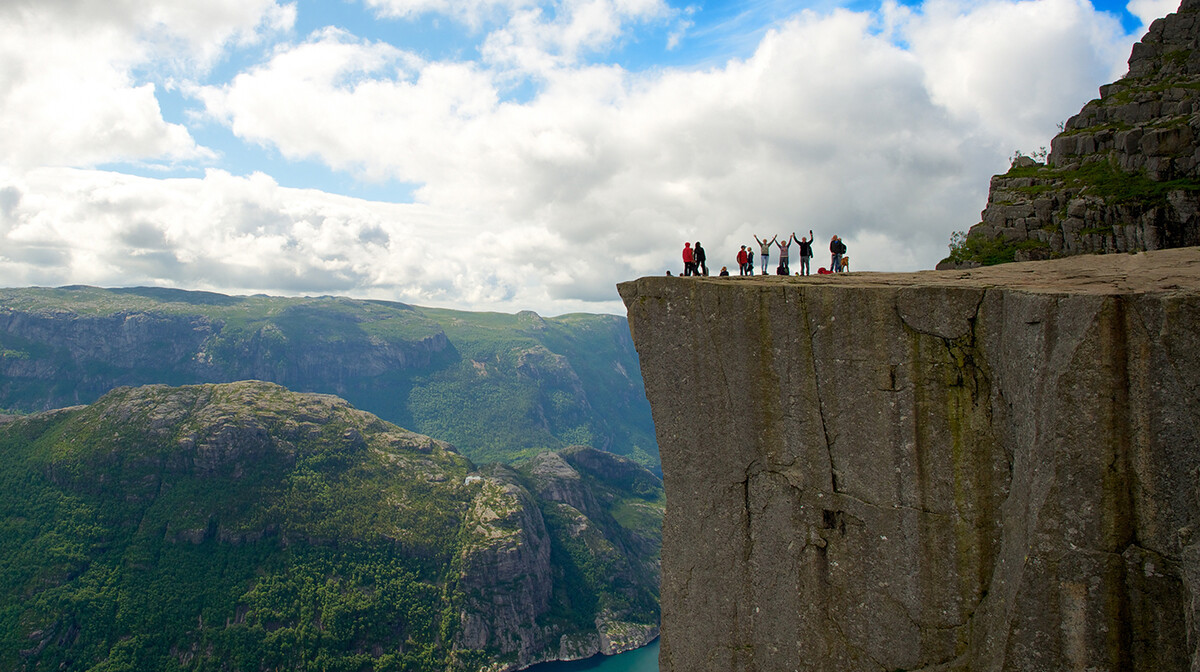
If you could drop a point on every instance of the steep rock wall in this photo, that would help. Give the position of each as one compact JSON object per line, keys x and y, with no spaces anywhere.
{"x":994,"y":469}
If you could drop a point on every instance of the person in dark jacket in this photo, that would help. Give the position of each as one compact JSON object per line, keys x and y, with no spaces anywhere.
{"x":806,"y":251}
{"x":700,"y":257}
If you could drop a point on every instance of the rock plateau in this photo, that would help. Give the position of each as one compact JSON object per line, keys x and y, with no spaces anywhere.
{"x":994,"y":469}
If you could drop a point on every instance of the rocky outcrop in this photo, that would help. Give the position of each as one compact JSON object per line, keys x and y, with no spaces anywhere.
{"x":557,"y":481}
{"x":506,"y":570}
{"x":996,"y":469}
{"x":560,"y":559}
{"x":1124,"y":173}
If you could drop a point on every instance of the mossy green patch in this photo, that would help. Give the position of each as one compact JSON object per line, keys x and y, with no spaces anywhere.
{"x":989,"y":251}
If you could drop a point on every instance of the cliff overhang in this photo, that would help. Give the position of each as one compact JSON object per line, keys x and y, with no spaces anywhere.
{"x":992,"y":469}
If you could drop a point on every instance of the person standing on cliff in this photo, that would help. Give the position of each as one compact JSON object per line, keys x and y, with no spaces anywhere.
{"x":764,"y":246}
{"x":805,"y":251}
{"x":784,"y":256}
{"x":689,"y":260}
{"x":741,"y":259}
{"x":835,"y":255}
{"x":700,"y":257}
{"x":749,"y":260}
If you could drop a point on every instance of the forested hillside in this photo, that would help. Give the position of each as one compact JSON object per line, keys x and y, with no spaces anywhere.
{"x":246,"y":527}
{"x":500,"y":387}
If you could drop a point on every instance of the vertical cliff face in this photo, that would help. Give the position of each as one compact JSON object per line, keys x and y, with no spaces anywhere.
{"x":988,"y":470}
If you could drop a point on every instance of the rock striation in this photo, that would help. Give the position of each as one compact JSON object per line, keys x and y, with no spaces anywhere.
{"x":1124,"y":173}
{"x":993,"y":469}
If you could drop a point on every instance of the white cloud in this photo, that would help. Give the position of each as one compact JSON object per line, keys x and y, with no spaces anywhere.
{"x":61,"y":104}
{"x":67,"y":92}
{"x":881,"y":127}
{"x":471,"y":12}
{"x":562,"y":27}
{"x":365,"y":107}
{"x":1016,"y":69}
{"x":1149,"y":10}
{"x":247,"y":234}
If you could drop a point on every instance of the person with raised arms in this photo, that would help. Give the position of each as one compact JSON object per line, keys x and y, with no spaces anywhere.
{"x":765,"y":247}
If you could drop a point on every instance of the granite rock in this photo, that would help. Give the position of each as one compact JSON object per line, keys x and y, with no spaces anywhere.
{"x":990,"y":469}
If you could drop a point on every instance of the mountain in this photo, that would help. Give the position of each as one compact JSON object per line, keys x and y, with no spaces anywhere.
{"x":1122,"y":176}
{"x":246,"y":527}
{"x":499,"y":387}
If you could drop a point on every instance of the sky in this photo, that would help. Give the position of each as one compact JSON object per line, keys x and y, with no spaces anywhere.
{"x":515,"y":154}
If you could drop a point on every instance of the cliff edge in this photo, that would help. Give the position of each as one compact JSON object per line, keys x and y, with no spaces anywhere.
{"x":991,"y":469}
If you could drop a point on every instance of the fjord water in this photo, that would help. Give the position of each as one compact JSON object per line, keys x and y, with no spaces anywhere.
{"x":644,"y":659}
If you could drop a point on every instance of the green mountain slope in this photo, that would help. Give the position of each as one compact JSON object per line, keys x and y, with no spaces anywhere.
{"x":246,"y":527}
{"x":500,"y":387}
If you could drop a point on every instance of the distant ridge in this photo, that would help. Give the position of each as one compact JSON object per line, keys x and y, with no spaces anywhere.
{"x":499,"y":387}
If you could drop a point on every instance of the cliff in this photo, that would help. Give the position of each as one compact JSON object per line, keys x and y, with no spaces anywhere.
{"x":1124,"y":173}
{"x":246,"y":527}
{"x":992,"y":469}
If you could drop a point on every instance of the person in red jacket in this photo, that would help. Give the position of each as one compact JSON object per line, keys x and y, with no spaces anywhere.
{"x":689,"y":260}
{"x":741,"y":259}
